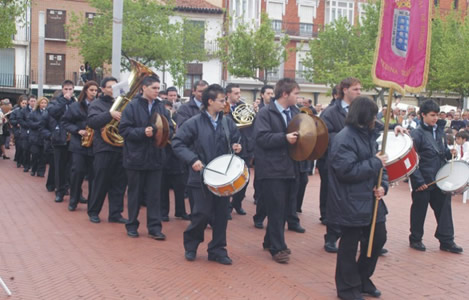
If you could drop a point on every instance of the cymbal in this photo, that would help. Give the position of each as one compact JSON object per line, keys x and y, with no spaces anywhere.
{"x":322,"y":141}
{"x":306,"y":128}
{"x":162,"y":130}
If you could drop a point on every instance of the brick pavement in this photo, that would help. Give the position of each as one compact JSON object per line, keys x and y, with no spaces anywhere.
{"x":47,"y":252}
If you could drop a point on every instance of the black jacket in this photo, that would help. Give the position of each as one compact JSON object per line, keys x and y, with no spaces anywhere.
{"x":23,"y":120}
{"x":431,"y":160}
{"x":36,"y":121}
{"x":98,"y":117}
{"x":353,"y":173}
{"x":198,"y":140}
{"x":140,"y":152}
{"x":186,"y":111}
{"x":48,"y":127}
{"x":15,"y":122}
{"x":74,"y":120}
{"x":57,"y":109}
{"x":271,"y":150}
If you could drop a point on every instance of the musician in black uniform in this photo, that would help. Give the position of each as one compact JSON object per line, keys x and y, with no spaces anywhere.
{"x":23,"y":120}
{"x":36,"y":121}
{"x":60,"y":139}
{"x":143,"y":161}
{"x":274,"y":167}
{"x":74,"y":122}
{"x":200,"y":140}
{"x":430,"y":144}
{"x":109,"y":174}
{"x":16,"y":128}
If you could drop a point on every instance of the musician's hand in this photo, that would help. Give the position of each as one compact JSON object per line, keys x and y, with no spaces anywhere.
{"x":379,"y":193}
{"x":197,"y":166}
{"x":292,"y":137}
{"x":68,"y":94}
{"x":454,"y":152}
{"x":237,"y":148}
{"x":83,"y":132}
{"x":116,"y":115}
{"x":422,"y":188}
{"x":149,"y":131}
{"x":399,"y":129}
{"x":383,"y":158}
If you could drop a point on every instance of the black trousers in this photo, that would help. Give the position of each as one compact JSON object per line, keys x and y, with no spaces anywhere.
{"x":26,"y":157}
{"x":18,"y":152}
{"x":238,"y":198}
{"x":303,"y":182}
{"x":277,"y":195}
{"x":207,"y":207}
{"x":50,"y":184}
{"x":441,"y":205}
{"x":62,"y":164}
{"x":323,"y":173}
{"x":261,"y":212}
{"x":178,"y":183}
{"x":144,"y":184}
{"x":109,"y":178}
{"x":82,"y":165}
{"x":38,"y":163}
{"x":352,"y":276}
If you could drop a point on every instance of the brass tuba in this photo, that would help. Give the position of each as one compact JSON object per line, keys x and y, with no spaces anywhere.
{"x":110,"y":132}
{"x":87,"y":140}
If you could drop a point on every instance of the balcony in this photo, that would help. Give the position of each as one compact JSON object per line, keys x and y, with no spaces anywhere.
{"x":302,"y":30}
{"x":58,"y":79}
{"x":211,"y":47}
{"x":298,"y":75}
{"x":14,"y":81}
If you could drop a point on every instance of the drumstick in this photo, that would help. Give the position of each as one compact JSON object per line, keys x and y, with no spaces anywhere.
{"x":437,"y":181}
{"x":214,"y":171}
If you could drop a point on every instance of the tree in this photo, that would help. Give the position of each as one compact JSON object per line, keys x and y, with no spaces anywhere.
{"x":248,"y":52}
{"x":343,"y":50}
{"x":150,"y":35}
{"x":449,"y":68}
{"x":11,"y":13}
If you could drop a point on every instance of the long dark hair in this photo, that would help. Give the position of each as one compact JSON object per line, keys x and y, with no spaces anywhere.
{"x":362,"y":112}
{"x":87,"y":85}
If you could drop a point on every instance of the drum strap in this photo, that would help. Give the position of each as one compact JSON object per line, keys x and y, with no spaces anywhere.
{"x":227,"y":132}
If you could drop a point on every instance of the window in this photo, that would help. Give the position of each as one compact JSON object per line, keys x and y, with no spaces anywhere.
{"x":244,"y":11}
{"x":55,"y":24}
{"x":55,"y":68}
{"x":199,"y":27}
{"x":339,"y":9}
{"x":7,"y":67}
{"x":194,"y":74}
{"x":361,"y":12}
{"x":306,"y":29}
{"x":90,"y":16}
{"x":277,"y":26}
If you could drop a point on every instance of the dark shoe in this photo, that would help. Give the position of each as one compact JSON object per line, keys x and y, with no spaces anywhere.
{"x":299,"y":210}
{"x":120,"y":220}
{"x":159,"y":236}
{"x":67,"y":192}
{"x":165,"y":219}
{"x":26,"y":170}
{"x":184,"y":217}
{"x":132,"y":233}
{"x":383,"y":251}
{"x":230,"y":217}
{"x":33,"y":173}
{"x":453,"y":248}
{"x":240,"y":211}
{"x":288,"y":251}
{"x":297,"y":228}
{"x":6,"y":157}
{"x":40,"y":175}
{"x":224,"y":260}
{"x":190,"y":255}
{"x":418,"y":246}
{"x":18,"y":165}
{"x":95,"y":219}
{"x":281,"y":257}
{"x":330,"y":247}
{"x":72,"y":207}
{"x":83,"y":199}
{"x":59,"y":198}
{"x":258,"y":225}
{"x":373,"y":293}
{"x":50,"y":189}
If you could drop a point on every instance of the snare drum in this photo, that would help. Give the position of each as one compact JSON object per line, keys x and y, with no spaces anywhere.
{"x":226,"y":175}
{"x":453,"y":177}
{"x":402,"y":157}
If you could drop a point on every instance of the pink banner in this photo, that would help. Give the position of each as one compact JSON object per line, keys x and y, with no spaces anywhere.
{"x":403,"y":46}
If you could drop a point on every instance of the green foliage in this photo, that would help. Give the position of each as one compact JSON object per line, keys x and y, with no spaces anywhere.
{"x":344,"y":50}
{"x":148,"y":36}
{"x":449,"y":67}
{"x":247,"y":50}
{"x":11,"y":12}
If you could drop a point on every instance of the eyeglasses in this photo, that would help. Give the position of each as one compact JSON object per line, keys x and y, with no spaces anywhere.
{"x":221,"y":100}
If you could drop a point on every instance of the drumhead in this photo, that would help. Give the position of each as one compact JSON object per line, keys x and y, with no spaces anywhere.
{"x":220,"y":164}
{"x":457,"y":178}
{"x":396,"y":146}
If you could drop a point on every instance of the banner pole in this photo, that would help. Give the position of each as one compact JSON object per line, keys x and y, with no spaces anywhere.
{"x":380,"y":177}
